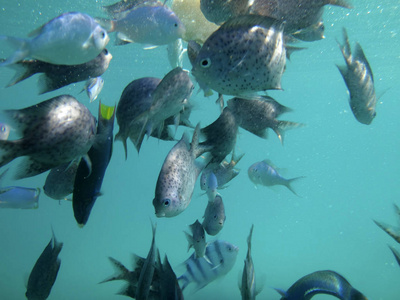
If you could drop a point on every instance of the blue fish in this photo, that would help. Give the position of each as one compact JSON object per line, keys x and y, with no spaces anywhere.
{"x":263,"y":173}
{"x":19,"y":197}
{"x":321,"y":282}
{"x":93,"y":87}
{"x":87,"y":184}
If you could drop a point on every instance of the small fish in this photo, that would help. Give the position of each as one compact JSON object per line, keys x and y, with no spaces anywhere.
{"x":93,"y":87}
{"x":44,"y":272}
{"x":88,"y":181}
{"x":359,"y":80}
{"x":175,"y":53}
{"x":219,"y":11}
{"x":169,"y":288}
{"x":198,"y":239}
{"x":222,"y":256}
{"x":4,"y":131}
{"x":211,"y":185}
{"x":396,"y":254}
{"x":19,"y":197}
{"x":264,"y":174}
{"x":259,"y":114}
{"x":245,"y":55}
{"x":151,"y":25}
{"x":297,"y":14}
{"x":147,"y":272}
{"x":70,"y":39}
{"x":221,"y":136}
{"x":248,"y":288}
{"x":60,"y":180}
{"x":214,"y":216}
{"x":54,"y":132}
{"x":224,"y":172}
{"x":57,"y":76}
{"x":178,"y":175}
{"x":321,"y":282}
{"x":312,"y":33}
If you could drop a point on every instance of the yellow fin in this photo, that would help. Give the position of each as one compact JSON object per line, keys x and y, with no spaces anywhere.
{"x":106,"y":111}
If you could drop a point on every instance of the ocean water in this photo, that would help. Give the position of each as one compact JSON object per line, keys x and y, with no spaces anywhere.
{"x":352,"y":173}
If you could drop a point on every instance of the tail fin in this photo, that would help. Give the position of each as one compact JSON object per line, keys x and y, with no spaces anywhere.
{"x":341,"y":3}
{"x":9,"y":150}
{"x":122,"y":272}
{"x":119,"y":137}
{"x":288,"y":184}
{"x":185,"y":281}
{"x":283,"y":126}
{"x":22,"y":50}
{"x":22,"y":71}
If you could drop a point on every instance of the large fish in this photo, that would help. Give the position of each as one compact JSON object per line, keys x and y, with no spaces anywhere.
{"x":359,"y":79}
{"x":178,"y":175}
{"x":148,"y":24}
{"x":70,"y":39}
{"x":58,"y":76}
{"x":44,"y":272}
{"x":321,"y":282}
{"x":222,"y":256}
{"x":245,"y":55}
{"x":54,"y":132}
{"x":214,"y":216}
{"x":88,"y":182}
{"x":264,"y":173}
{"x":259,"y":114}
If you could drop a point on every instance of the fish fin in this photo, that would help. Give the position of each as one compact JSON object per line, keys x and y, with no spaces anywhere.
{"x":30,"y":167}
{"x":390,"y":230}
{"x":150,"y":47}
{"x":359,"y":53}
{"x":122,"y":39}
{"x":207,"y":259}
{"x":21,"y":46}
{"x":341,"y":3}
{"x":122,"y":271}
{"x":288,"y":184}
{"x":107,"y":24}
{"x":47,"y":84}
{"x":88,"y":164}
{"x":159,"y":91}
{"x":283,"y":126}
{"x":119,"y":137}
{"x":189,"y":239}
{"x":395,"y":253}
{"x":291,"y":49}
{"x":220,"y":101}
{"x":344,"y":71}
{"x":185,"y":281}
{"x":138,"y":142}
{"x":22,"y":72}
{"x":281,"y":292}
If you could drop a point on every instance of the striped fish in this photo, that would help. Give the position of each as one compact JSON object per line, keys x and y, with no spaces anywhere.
{"x":222,"y":257}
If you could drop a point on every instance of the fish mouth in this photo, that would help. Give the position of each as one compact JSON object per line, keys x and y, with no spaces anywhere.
{"x":160,"y":214}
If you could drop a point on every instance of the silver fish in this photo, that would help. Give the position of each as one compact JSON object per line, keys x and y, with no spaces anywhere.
{"x":214,"y":216}
{"x":4,"y":131}
{"x":93,"y":87}
{"x":60,"y":180}
{"x":175,"y":53}
{"x":360,"y":82}
{"x":297,"y":14}
{"x":210,"y":184}
{"x":44,"y":272}
{"x":245,"y":55}
{"x":152,"y":25}
{"x":264,"y":174}
{"x":198,"y":239}
{"x":312,"y":33}
{"x":70,"y":39}
{"x":178,"y":175}
{"x":257,"y":115}
{"x":58,"y":76}
{"x":54,"y":132}
{"x":19,"y":197}
{"x":222,"y":256}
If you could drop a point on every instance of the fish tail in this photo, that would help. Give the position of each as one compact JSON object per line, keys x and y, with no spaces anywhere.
{"x":185,"y":281}
{"x":22,"y":50}
{"x":22,"y":72}
{"x":122,"y":271}
{"x":9,"y":150}
{"x":47,"y":84}
{"x":120,"y":137}
{"x":283,"y":126}
{"x":341,"y":3}
{"x":356,"y":295}
{"x":289,"y":186}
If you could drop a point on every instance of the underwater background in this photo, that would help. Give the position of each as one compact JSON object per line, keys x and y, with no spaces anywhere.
{"x":352,"y":172}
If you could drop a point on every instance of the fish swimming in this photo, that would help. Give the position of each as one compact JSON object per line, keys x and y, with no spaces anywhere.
{"x":264,"y":174}
{"x":214,"y":216}
{"x":210,"y":184}
{"x":222,"y":256}
{"x":19,"y":197}
{"x":198,"y":239}
{"x":57,"y":76}
{"x":87,"y":184}
{"x":178,"y":175}
{"x":4,"y":131}
{"x":147,"y":24}
{"x":219,"y":11}
{"x":259,"y":114}
{"x":54,"y":132}
{"x":312,"y":33}
{"x":60,"y":180}
{"x":359,"y":80}
{"x":321,"y":282}
{"x":244,"y":56}
{"x":70,"y":39}
{"x":93,"y":87}
{"x":44,"y":272}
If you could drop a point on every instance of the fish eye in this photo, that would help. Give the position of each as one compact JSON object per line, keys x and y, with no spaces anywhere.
{"x":3,"y":128}
{"x":176,"y":24}
{"x":167,"y":202}
{"x":105,"y":51}
{"x":205,"y":63}
{"x":103,"y":34}
{"x":215,"y":217}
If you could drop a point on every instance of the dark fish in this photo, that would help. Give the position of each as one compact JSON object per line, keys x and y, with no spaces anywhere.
{"x":44,"y":272}
{"x":244,"y":56}
{"x":297,"y":14}
{"x":359,"y":80}
{"x":60,"y":180}
{"x":178,"y":175}
{"x":321,"y":282}
{"x":257,"y":115}
{"x":88,"y":182}
{"x":197,"y":239}
{"x":264,"y":174}
{"x":393,"y":231}
{"x":219,"y":11}
{"x":54,"y":132}
{"x":169,"y":288}
{"x":220,"y":136}
{"x":396,"y":254}
{"x":214,"y":216}
{"x":57,"y":76}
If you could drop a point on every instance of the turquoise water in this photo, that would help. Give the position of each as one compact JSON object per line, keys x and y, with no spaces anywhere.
{"x":351,"y":173}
